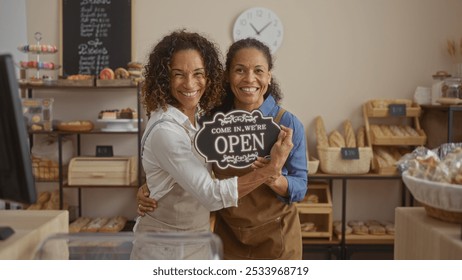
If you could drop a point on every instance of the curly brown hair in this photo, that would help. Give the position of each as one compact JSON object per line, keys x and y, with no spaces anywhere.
{"x":156,"y":91}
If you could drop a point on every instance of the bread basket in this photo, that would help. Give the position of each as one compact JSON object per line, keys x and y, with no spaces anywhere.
{"x":441,"y":200}
{"x":313,"y":165}
{"x":331,"y":161}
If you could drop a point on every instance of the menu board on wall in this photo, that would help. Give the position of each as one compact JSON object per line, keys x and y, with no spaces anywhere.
{"x":95,"y":34}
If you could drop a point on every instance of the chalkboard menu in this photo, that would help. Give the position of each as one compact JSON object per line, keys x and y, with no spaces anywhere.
{"x":96,"y":34}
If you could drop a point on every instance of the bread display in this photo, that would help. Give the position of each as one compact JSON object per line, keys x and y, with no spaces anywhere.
{"x":98,"y":224}
{"x":75,"y":126}
{"x":357,"y":229}
{"x":114,"y":114}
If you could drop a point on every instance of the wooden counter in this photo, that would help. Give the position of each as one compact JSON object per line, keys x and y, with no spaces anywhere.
{"x":420,"y":237}
{"x":31,"y":228}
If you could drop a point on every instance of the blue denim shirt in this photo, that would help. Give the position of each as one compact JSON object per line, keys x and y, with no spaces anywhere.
{"x":296,"y":167}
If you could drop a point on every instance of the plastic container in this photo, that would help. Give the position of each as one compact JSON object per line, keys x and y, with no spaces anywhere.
{"x":119,"y":246}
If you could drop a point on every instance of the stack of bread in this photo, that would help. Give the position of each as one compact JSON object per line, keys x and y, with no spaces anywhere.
{"x":368,"y":227}
{"x":47,"y":201}
{"x":98,"y":224}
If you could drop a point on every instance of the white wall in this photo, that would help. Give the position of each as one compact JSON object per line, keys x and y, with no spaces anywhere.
{"x":336,"y":55}
{"x":13,"y":13}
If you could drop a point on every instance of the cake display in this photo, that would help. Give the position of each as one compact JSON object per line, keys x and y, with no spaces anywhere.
{"x":119,"y":119}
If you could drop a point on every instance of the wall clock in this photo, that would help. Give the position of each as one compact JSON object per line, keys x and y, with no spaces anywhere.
{"x":262,"y":24}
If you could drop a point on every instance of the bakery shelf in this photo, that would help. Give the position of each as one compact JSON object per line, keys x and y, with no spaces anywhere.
{"x":400,"y":141}
{"x":80,"y":87}
{"x":413,"y":110}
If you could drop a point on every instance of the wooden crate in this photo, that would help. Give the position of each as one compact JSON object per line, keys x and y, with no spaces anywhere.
{"x":318,"y":213}
{"x":75,"y":83}
{"x":115,"y":83}
{"x":411,"y":111}
{"x":97,"y":171}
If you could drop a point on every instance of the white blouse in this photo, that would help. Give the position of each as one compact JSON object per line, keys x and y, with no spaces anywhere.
{"x":169,"y":157}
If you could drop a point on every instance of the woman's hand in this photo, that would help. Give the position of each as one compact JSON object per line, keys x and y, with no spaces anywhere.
{"x":282,"y":147}
{"x":145,"y":203}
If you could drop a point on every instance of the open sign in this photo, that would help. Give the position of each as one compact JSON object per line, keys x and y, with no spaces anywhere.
{"x":237,"y":138}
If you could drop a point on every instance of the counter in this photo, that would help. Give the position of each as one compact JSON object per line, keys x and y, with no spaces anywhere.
{"x":420,"y":237}
{"x":31,"y":228}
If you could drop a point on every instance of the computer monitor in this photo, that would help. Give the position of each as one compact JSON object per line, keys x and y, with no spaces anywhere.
{"x":16,"y":179}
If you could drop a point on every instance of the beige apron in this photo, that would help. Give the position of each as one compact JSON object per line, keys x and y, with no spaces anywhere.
{"x":180,"y":211}
{"x":261,"y":227}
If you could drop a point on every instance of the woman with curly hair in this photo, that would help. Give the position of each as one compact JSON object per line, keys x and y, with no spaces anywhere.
{"x":183,"y":81}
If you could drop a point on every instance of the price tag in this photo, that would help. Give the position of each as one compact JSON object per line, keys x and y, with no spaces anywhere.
{"x":104,"y":151}
{"x":349,"y":153}
{"x":397,"y":109}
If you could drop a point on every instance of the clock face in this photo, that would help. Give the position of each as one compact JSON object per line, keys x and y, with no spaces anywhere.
{"x":262,"y":24}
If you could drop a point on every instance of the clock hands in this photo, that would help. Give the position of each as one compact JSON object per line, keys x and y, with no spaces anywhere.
{"x":264,"y":27}
{"x":261,"y":30}
{"x":253,"y":27}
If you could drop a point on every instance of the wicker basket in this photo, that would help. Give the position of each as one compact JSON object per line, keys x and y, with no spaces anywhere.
{"x":331,"y":161}
{"x":440,"y":200}
{"x":45,"y":170}
{"x":313,"y":165}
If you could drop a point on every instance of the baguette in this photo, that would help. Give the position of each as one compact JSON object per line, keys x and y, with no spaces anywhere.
{"x":95,"y":224}
{"x":321,"y":135}
{"x":114,"y":224}
{"x":78,"y":224}
{"x":336,"y":140}
{"x":350,"y":138}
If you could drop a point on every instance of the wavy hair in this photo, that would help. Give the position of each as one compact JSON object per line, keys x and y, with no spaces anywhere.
{"x":156,"y":90}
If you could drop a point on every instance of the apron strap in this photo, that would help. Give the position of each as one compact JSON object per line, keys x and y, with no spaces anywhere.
{"x":278,"y":117}
{"x":145,"y":136}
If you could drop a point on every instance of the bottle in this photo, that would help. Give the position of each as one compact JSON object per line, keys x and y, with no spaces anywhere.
{"x":437,"y":86}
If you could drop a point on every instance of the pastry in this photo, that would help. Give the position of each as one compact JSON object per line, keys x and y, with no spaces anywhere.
{"x":127,"y":113}
{"x":108,"y":114}
{"x":121,"y":73}
{"x":106,"y":74}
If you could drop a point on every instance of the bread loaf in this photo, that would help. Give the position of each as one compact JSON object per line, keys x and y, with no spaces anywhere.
{"x":321,"y":135}
{"x":336,"y":139}
{"x":114,"y":224}
{"x":376,"y":131}
{"x":94,"y":225}
{"x":361,"y":137}
{"x":350,"y":138}
{"x":78,"y":224}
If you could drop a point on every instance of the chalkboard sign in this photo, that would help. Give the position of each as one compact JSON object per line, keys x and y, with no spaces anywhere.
{"x":237,"y":138}
{"x":95,"y":34}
